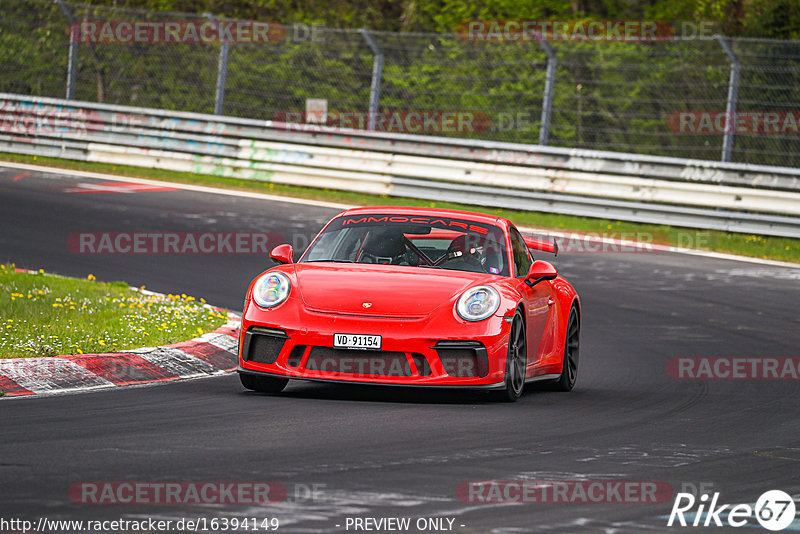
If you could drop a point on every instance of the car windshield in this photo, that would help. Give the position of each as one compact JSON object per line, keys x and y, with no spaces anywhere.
{"x":417,"y":241}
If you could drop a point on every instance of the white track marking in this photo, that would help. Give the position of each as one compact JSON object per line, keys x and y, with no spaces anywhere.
{"x":176,"y":185}
{"x":175,"y":361}
{"x":654,"y":247}
{"x":42,"y":375}
{"x":335,"y":205}
{"x":221,"y":341}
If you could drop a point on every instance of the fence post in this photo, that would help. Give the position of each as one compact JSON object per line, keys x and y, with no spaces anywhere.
{"x":549,"y":86}
{"x":72,"y":65}
{"x":377,"y":74}
{"x":733,"y":90}
{"x":222,"y":72}
{"x":72,"y":68}
{"x":222,"y":76}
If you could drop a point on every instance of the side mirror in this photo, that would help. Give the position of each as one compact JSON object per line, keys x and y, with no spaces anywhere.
{"x":282,"y":253}
{"x":540,"y":270}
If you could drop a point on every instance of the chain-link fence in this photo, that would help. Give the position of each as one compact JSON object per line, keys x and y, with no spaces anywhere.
{"x":670,"y":97}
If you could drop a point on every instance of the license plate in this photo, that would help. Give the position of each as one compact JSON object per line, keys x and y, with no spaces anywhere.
{"x":356,"y":341}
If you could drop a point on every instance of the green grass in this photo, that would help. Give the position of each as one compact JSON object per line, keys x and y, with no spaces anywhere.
{"x":45,"y":314}
{"x":766,"y":247}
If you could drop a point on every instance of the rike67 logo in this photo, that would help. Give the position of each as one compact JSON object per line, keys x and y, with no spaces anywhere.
{"x":774,"y":510}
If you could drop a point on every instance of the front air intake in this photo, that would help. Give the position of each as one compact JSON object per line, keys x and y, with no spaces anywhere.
{"x":262,"y":345}
{"x":463,"y":359}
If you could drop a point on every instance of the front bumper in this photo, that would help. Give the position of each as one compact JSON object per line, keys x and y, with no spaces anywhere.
{"x":414,"y":351}
{"x":480,"y":387}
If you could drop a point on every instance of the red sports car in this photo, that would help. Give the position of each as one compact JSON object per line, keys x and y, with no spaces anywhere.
{"x":412,"y":297}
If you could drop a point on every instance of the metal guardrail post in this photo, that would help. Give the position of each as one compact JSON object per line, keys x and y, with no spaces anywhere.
{"x":733,"y":90}
{"x":222,"y":73}
{"x":549,"y":86}
{"x":72,"y":65}
{"x":377,"y":74}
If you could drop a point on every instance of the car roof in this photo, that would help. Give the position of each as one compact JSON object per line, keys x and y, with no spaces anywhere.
{"x":429,"y":212}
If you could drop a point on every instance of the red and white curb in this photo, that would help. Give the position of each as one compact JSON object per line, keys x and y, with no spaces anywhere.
{"x":212,"y":353}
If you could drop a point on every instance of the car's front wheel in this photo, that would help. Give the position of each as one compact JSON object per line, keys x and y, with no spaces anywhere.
{"x":516,"y":361}
{"x":263,"y":384}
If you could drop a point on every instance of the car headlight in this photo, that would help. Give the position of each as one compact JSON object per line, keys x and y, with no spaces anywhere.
{"x":478,"y":303}
{"x":271,"y":289}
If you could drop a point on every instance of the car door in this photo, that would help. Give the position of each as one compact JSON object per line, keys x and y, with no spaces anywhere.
{"x":538,"y":299}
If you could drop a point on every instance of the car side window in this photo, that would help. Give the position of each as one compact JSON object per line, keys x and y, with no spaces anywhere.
{"x":522,"y":257}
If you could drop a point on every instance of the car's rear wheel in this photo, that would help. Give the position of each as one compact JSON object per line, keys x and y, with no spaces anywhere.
{"x":263,"y":384}
{"x":516,"y":361}
{"x":569,"y":367}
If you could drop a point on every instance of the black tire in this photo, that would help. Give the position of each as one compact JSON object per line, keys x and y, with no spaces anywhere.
{"x":516,"y":361}
{"x":569,"y":367}
{"x":263,"y":384}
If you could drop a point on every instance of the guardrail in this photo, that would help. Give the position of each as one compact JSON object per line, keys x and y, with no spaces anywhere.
{"x":651,"y":189}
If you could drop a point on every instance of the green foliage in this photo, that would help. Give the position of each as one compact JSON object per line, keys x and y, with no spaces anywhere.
{"x":778,"y":19}
{"x":608,"y":95}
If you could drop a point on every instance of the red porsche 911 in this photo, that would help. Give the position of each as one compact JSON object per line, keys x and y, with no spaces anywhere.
{"x":412,"y":297}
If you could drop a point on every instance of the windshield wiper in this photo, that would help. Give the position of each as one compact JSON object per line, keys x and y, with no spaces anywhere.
{"x":329,"y":259}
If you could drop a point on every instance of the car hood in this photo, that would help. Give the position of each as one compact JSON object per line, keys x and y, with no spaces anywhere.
{"x":380,"y":290}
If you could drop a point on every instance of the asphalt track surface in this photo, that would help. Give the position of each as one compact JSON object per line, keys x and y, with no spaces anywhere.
{"x":403,"y":453}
